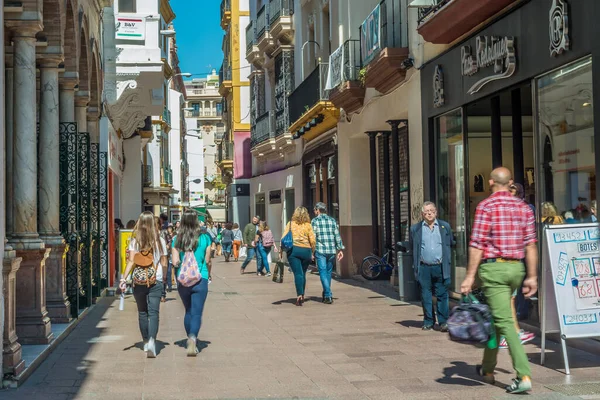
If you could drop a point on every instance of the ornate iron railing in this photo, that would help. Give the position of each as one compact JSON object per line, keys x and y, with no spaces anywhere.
{"x":426,"y":13}
{"x":262,"y":18}
{"x":344,"y":63}
{"x":264,"y":128}
{"x":382,"y":28}
{"x":280,"y":8}
{"x":250,"y":37}
{"x":284,"y":85}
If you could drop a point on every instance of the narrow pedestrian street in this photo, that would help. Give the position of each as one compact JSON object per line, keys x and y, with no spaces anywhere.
{"x":257,"y":344}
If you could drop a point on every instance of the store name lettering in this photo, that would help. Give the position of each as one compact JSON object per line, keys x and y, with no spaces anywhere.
{"x":495,"y":51}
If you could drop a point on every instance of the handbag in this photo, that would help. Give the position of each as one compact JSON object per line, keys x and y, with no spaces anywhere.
{"x":471,"y":322}
{"x":243,"y":252}
{"x":287,"y":242}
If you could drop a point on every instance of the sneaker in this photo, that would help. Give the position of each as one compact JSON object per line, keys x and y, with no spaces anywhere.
{"x":145,"y":347}
{"x":151,"y":349}
{"x":268,"y":274}
{"x":519,"y":385}
{"x":427,"y":327}
{"x":328,"y":300}
{"x":241,"y":271}
{"x":192,"y":350}
{"x":444,"y":328}
{"x":503,"y":344}
{"x":526,"y":337}
{"x":485,"y":377}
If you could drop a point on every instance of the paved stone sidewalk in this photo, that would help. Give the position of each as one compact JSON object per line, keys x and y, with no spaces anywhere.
{"x":257,"y":344}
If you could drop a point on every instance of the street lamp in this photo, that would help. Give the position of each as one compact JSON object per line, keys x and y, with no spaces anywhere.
{"x":302,"y":54}
{"x":168,"y":32}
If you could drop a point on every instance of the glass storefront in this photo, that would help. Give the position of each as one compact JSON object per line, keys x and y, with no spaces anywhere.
{"x":547,"y":140}
{"x":450,"y":186}
{"x":566,"y":146}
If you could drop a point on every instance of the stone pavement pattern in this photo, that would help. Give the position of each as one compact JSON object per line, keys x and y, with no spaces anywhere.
{"x":257,"y":344}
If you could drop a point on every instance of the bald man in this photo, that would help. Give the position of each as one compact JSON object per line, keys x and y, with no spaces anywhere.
{"x":503,"y":235}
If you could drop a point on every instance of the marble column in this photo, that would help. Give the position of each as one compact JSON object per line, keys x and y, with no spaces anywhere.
{"x":12,"y":360}
{"x":66,"y":104}
{"x":93,"y":124}
{"x":33,"y":324}
{"x":57,"y":302}
{"x":8,"y":115}
{"x":81,"y":103}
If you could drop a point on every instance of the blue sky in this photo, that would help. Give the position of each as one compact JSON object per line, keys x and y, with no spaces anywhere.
{"x":199,"y":35}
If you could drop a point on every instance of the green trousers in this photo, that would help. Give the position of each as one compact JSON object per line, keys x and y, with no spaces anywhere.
{"x":500,"y":280}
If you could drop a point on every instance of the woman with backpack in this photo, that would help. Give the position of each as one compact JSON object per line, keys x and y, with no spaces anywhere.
{"x":148,"y":260}
{"x":227,"y":240}
{"x":265,"y":242}
{"x":191,"y":253}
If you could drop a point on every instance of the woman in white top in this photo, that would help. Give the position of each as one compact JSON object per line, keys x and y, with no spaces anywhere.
{"x":145,"y":237}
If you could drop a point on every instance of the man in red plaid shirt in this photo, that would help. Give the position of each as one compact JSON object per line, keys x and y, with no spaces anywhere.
{"x":503,"y":235}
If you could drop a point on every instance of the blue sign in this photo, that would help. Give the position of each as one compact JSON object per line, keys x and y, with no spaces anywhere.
{"x":370,"y":40}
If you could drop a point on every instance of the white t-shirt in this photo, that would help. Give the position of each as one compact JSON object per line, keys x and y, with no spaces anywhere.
{"x":133,"y":246}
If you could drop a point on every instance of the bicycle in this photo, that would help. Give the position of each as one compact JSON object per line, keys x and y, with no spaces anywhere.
{"x":372,"y":266}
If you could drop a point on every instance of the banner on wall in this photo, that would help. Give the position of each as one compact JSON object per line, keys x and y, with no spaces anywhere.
{"x":124,"y":240}
{"x":570,"y":283}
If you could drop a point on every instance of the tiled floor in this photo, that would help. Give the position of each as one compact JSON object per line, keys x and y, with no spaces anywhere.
{"x":257,"y":344}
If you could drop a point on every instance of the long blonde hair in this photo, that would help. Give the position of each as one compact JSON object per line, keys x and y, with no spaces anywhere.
{"x":145,"y":233}
{"x":301,"y":216}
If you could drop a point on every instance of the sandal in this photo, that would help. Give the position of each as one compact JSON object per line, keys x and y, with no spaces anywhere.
{"x":299,"y":301}
{"x":163,"y":299}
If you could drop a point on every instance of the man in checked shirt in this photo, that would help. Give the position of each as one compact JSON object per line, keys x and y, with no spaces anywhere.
{"x":329,"y":247}
{"x":503,"y":235}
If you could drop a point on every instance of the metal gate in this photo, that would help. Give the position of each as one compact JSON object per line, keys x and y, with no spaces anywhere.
{"x":69,"y":210}
{"x":95,"y":219}
{"x":85,"y":227}
{"x":103,"y":217}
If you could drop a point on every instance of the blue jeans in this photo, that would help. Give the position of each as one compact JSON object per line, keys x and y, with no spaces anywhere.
{"x":432,"y":283}
{"x":264,"y":256}
{"x":299,"y":259}
{"x":325,"y":265}
{"x":169,"y":280}
{"x":251,"y":252}
{"x":193,"y":299}
{"x":226,"y":248}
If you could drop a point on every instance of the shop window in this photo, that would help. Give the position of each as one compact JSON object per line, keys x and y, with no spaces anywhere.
{"x":450,"y":186}
{"x":566,"y":145}
{"x":290,"y":205}
{"x":259,"y":206}
{"x":127,"y":6}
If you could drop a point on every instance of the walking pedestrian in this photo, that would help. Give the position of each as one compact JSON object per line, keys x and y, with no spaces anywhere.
{"x":431,"y":240}
{"x":237,"y":241}
{"x":148,"y":260}
{"x":302,"y":251}
{"x":211,"y":229}
{"x":227,"y":240}
{"x":264,"y":243}
{"x":249,"y":235}
{"x":329,"y":247}
{"x":189,"y":239}
{"x":219,"y":246}
{"x":503,"y":235}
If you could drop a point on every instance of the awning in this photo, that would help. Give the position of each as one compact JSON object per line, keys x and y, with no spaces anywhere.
{"x":218,"y":214}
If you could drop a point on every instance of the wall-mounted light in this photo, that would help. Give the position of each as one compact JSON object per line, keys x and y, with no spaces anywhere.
{"x":167,"y":32}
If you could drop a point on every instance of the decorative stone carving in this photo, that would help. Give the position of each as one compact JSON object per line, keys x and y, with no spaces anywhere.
{"x":12,"y":361}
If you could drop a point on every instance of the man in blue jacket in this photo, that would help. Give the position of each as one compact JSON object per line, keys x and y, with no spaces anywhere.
{"x":431,"y":241}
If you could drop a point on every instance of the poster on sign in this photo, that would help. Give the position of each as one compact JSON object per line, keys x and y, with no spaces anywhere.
{"x":571,"y":282}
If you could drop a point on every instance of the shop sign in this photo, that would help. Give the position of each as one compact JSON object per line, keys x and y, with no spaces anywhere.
{"x":490,"y":51}
{"x":559,"y":28}
{"x":196,"y":196}
{"x":370,"y":36}
{"x":131,"y":29}
{"x":438,"y":87}
{"x":275,"y":197}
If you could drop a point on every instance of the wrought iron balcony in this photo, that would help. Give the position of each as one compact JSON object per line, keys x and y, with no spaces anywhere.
{"x":280,"y":20}
{"x":346,"y":92}
{"x":225,"y":13}
{"x":167,"y":116}
{"x":167,"y":176}
{"x":284,"y":85}
{"x":310,"y":108}
{"x":253,"y":53}
{"x":265,"y":41}
{"x":250,"y":38}
{"x":225,"y":83}
{"x":384,"y":46}
{"x":264,"y":129}
{"x":225,"y":154}
{"x":447,"y":20}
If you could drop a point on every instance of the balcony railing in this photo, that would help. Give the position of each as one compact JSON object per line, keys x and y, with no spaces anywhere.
{"x":167,"y":116}
{"x":250,"y":37}
{"x":225,"y":7}
{"x":225,"y":152}
{"x":262,"y":18}
{"x":148,"y":176}
{"x":167,"y":174}
{"x":224,"y":73}
{"x":382,"y":28}
{"x":280,"y":8}
{"x":344,"y":63}
{"x":264,"y":128}
{"x":425,"y":13}
{"x":309,"y":92}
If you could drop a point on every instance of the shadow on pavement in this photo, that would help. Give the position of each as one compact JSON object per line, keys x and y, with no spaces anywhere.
{"x":200,"y":344}
{"x":411,"y":323}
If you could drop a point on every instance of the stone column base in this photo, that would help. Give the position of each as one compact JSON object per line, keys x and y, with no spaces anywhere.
{"x":33,"y":324}
{"x":57,"y":301}
{"x":12,"y":361}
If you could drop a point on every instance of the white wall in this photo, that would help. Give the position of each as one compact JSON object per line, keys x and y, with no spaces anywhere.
{"x":131,"y":184}
{"x":195,"y":156}
{"x":153,"y":155}
{"x":175,"y":104}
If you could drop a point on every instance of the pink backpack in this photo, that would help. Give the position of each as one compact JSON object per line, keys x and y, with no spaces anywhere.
{"x":267,"y":238}
{"x":189,"y":273}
